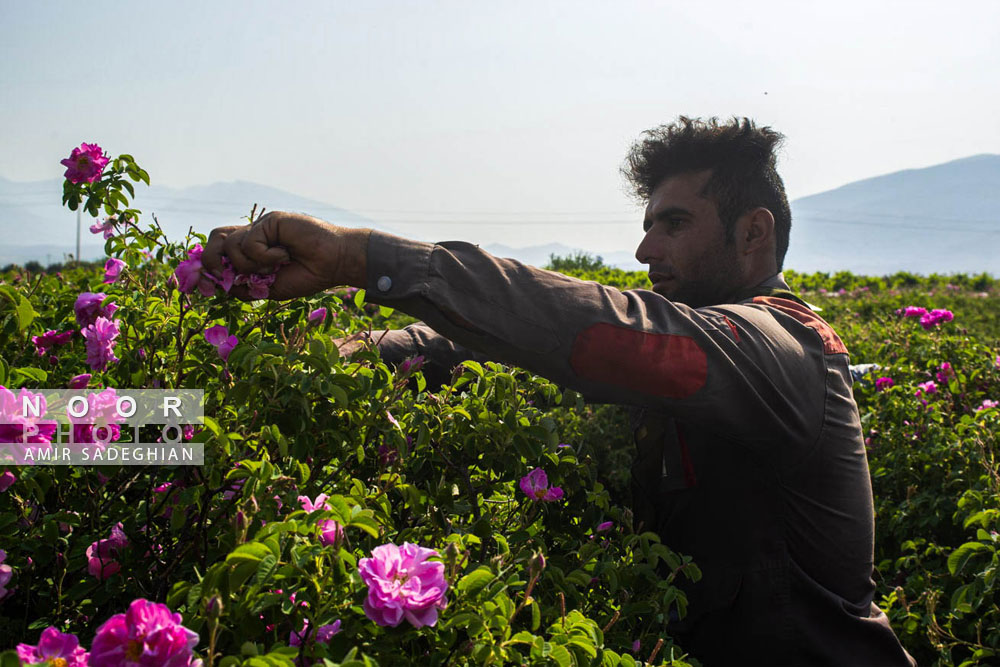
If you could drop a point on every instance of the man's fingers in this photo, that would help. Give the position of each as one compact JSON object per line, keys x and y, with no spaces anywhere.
{"x":260,"y":245}
{"x":233,"y":249}
{"x":211,"y":256}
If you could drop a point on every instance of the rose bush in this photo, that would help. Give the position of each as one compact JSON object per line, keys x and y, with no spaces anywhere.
{"x":225,"y":551}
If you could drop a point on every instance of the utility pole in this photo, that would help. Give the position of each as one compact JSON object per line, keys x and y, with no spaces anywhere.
{"x":78,"y":236}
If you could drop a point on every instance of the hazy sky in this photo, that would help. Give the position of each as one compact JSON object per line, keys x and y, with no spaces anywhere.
{"x":513,"y":112}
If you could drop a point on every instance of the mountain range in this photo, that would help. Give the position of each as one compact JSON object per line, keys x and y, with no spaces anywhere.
{"x":942,"y":219}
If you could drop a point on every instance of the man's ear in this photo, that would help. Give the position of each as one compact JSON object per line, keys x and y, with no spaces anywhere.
{"x":755,"y":231}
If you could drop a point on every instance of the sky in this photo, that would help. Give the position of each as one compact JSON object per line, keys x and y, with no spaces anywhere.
{"x":503,"y":122}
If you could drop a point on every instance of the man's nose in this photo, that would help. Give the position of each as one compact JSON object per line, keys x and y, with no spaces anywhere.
{"x":645,"y":252}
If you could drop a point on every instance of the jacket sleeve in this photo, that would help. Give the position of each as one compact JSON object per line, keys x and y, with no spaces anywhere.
{"x":745,"y":370}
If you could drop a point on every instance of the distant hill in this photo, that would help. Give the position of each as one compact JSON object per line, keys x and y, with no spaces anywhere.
{"x":943,"y":219}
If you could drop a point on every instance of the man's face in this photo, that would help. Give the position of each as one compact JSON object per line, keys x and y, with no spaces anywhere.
{"x":685,"y":244}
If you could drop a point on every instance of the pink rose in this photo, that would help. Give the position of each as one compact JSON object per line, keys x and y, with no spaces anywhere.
{"x":220,"y":338}
{"x":50,"y":339}
{"x":56,"y":647}
{"x":6,"y":480}
{"x":107,"y":228}
{"x":946,"y":373}
{"x":536,"y":486}
{"x":935,"y":317}
{"x":101,"y":337}
{"x":322,"y":636}
{"x":912,"y":311}
{"x":147,"y":635}
{"x":6,"y":572}
{"x":403,"y":583}
{"x":88,"y":308}
{"x":101,"y":554}
{"x":85,"y":164}
{"x":15,"y":427}
{"x":113,"y":269}
{"x":331,"y":533}
{"x":317,"y":316}
{"x":258,"y":285}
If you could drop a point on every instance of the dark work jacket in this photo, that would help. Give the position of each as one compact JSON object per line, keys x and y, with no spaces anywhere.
{"x":749,"y":458}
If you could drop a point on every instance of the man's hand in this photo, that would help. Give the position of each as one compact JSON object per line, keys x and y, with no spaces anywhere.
{"x":306,"y":254}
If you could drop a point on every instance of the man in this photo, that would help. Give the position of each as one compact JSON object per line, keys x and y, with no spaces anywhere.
{"x":750,"y":456}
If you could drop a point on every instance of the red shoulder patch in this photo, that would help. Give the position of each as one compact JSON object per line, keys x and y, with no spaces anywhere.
{"x":665,"y":365}
{"x":831,"y":341}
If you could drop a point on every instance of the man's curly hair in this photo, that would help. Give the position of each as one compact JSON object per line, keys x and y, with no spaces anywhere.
{"x":741,"y":157}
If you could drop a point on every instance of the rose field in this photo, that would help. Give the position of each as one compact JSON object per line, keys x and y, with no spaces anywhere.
{"x":350,"y":513}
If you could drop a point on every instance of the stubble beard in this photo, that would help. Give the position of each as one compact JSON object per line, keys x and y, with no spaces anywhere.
{"x":719,"y":281}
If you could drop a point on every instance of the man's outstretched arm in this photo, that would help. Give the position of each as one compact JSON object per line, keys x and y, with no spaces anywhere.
{"x":747,"y":370}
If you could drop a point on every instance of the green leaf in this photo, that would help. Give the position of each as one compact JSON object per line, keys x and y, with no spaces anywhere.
{"x":25,"y":314}
{"x":240,"y":574}
{"x":340,"y":396}
{"x":961,"y":556}
{"x":253,"y":552}
{"x":359,"y":298}
{"x":558,"y":653}
{"x":474,"y":366}
{"x":32,"y":374}
{"x":475,"y":581}
{"x":10,"y":659}
{"x":365,"y":523}
{"x":265,"y":569}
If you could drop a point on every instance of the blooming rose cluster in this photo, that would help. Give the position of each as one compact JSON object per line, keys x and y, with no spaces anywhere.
{"x":935,"y":317}
{"x":190,"y":274}
{"x":883,"y":383}
{"x":403,"y":583}
{"x":928,"y":319}
{"x":98,"y":328}
{"x":945,"y":373}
